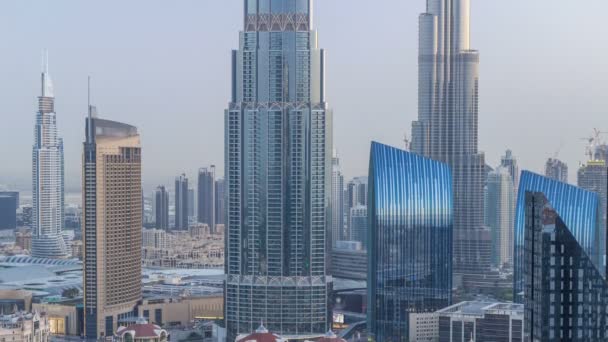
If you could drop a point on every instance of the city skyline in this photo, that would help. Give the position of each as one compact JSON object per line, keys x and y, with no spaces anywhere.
{"x":111,"y":74}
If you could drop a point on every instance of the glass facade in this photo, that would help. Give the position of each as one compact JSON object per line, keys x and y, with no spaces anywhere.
{"x":278,"y":175}
{"x":565,"y":294}
{"x":577,"y":207}
{"x":410,"y":212}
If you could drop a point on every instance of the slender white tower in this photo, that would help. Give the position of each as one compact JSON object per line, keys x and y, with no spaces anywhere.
{"x":47,"y":177}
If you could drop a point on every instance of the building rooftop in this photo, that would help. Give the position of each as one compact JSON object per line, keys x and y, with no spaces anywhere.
{"x":479,"y":308}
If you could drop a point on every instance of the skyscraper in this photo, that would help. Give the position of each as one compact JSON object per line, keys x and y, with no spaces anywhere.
{"x":409,"y":240}
{"x":47,"y":178}
{"x":509,"y":162}
{"x":337,"y":201}
{"x":356,"y":195}
{"x":500,"y":214}
{"x":359,"y":224}
{"x":278,"y":174}
{"x":594,"y":177}
{"x":9,"y":203}
{"x":191,"y":205}
{"x":181,"y":202}
{"x":112,"y":230}
{"x":556,"y":169}
{"x":206,"y":196}
{"x":220,"y":201}
{"x":162,"y":208}
{"x":447,"y":126}
{"x":566,"y":296}
{"x":578,"y":208}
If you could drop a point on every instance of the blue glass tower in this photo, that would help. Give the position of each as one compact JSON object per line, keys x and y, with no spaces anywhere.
{"x":410,"y":211}
{"x":278,"y":175}
{"x":578,"y":208}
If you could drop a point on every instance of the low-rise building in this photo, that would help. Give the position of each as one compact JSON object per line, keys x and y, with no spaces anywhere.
{"x":424,"y":326}
{"x":174,"y":312}
{"x":24,"y":327}
{"x":481,"y":322}
{"x":142,"y":331}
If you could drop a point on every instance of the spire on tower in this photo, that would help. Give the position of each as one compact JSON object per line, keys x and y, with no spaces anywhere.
{"x":47,"y":84}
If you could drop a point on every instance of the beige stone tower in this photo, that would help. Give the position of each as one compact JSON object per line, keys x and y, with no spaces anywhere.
{"x":113,"y":224}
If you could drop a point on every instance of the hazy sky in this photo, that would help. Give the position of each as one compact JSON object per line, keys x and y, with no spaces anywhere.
{"x":164,"y":66}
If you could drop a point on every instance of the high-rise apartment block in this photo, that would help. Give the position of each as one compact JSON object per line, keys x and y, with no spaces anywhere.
{"x":206,"y":196}
{"x":509,"y":162}
{"x":447,"y":126}
{"x":181,"y":203}
{"x":220,"y":202}
{"x":337,"y":201}
{"x":161,"y":204}
{"x":112,"y":231}
{"x":9,"y":203}
{"x":578,"y":208}
{"x":47,"y":178}
{"x":355,"y":195}
{"x":409,"y":240}
{"x":556,"y":169}
{"x":278,"y":175}
{"x":565,"y":293}
{"x":359,"y":225}
{"x":500,"y":214}
{"x":593,"y":177}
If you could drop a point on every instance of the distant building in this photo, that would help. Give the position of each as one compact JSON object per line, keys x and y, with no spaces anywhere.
{"x":9,"y":203}
{"x":499,"y":210}
{"x":112,"y":241}
{"x":359,"y":224}
{"x":410,"y":209}
{"x":156,"y":238}
{"x":337,"y":201}
{"x":26,"y":217}
{"x":23,"y":238}
{"x":181,"y":202}
{"x":594,"y":177}
{"x":206,"y":196}
{"x":509,"y":162}
{"x":220,"y":202}
{"x":161,"y":204}
{"x":48,"y":196}
{"x":356,"y":194}
{"x":556,"y":169}
{"x":191,"y":205}
{"x":348,"y":261}
{"x":424,"y":327}
{"x":481,"y":321}
{"x":566,"y":295}
{"x":577,"y":207}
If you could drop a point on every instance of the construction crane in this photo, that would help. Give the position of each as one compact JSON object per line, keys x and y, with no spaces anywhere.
{"x":593,"y":143}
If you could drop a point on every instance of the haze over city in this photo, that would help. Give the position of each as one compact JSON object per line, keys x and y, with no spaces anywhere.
{"x":163,"y":66}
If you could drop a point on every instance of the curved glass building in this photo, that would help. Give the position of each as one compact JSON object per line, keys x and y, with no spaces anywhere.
{"x":278,"y":175}
{"x":410,"y":212}
{"x":578,"y":208}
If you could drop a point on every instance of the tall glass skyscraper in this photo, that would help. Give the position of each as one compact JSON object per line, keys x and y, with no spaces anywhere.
{"x":278,"y":175}
{"x":337,"y":201}
{"x":410,"y":212}
{"x":566,"y":296}
{"x":447,"y":126}
{"x":578,"y":208}
{"x":47,"y":178}
{"x":206,"y":196}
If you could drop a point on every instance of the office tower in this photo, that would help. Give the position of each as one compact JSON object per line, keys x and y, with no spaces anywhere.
{"x":181,"y":202}
{"x":206,"y":196}
{"x":162,"y":208}
{"x":337,"y":201}
{"x":47,"y":178}
{"x":220,"y":202}
{"x":359,"y":225}
{"x":191,"y":204}
{"x":278,"y":175}
{"x":356,"y":194}
{"x":509,"y":162}
{"x":566,"y":295}
{"x":500,"y":214}
{"x":577,"y":207}
{"x":9,"y":203}
{"x":556,"y":169}
{"x":112,"y":234}
{"x":410,"y":240}
{"x":594,"y":177}
{"x":27,"y":215}
{"x":447,"y":126}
